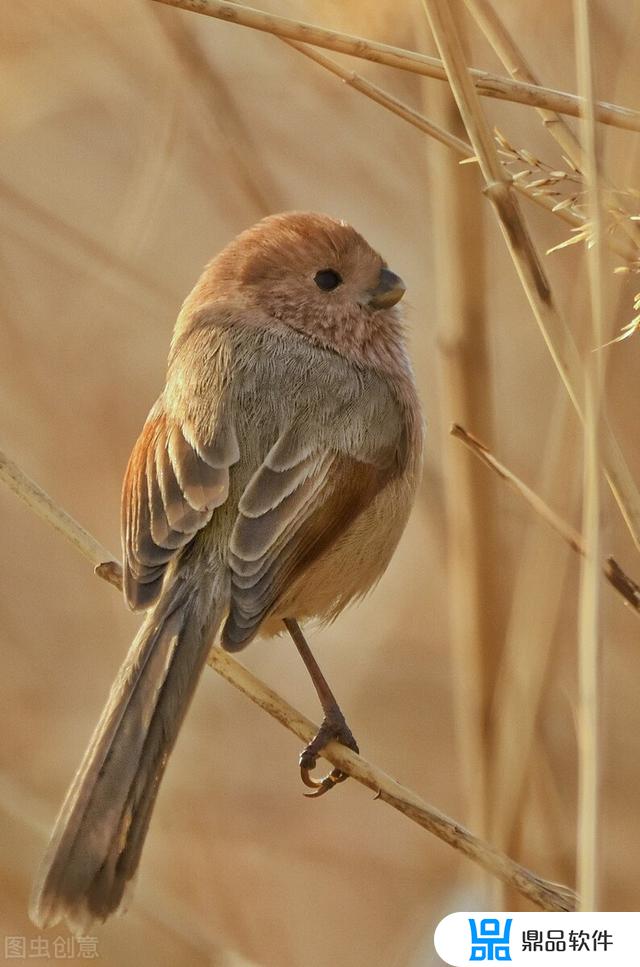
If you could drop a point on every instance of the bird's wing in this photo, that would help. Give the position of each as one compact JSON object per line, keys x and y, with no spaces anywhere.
{"x":172,"y":485}
{"x":294,"y":508}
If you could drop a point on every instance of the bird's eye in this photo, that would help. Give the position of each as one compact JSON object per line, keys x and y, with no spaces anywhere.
{"x":327,"y":279}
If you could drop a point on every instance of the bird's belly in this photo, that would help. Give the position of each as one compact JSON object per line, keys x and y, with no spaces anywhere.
{"x":351,"y":567}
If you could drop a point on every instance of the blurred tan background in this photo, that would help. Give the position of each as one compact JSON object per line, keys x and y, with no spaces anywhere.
{"x":137,"y":140}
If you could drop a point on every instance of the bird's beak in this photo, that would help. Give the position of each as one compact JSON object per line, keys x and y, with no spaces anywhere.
{"x":389,"y":290}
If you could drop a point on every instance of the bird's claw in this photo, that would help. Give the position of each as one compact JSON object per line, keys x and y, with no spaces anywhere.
{"x":321,"y":785}
{"x":338,"y":730}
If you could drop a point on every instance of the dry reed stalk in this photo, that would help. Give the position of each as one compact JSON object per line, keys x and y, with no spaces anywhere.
{"x":617,"y":578}
{"x":548,"y":896}
{"x":535,"y":602}
{"x":551,"y":810}
{"x":489,"y":85}
{"x":384,"y":99}
{"x":515,"y":62}
{"x":589,"y":611}
{"x":569,"y":533}
{"x":438,"y":133}
{"x":533,"y":192}
{"x":534,"y":281}
{"x":463,"y":389}
{"x":41,"y":504}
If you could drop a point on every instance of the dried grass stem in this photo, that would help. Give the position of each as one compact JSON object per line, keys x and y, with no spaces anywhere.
{"x":548,"y":896}
{"x":617,"y":578}
{"x":525,"y":258}
{"x":489,"y":85}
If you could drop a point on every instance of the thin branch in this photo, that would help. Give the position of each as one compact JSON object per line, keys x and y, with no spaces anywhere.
{"x":459,"y":145}
{"x":535,"y":603}
{"x":525,"y":258}
{"x":463,"y":148}
{"x":438,"y":133}
{"x":41,"y":504}
{"x":621,"y":581}
{"x":546,"y":895}
{"x":612,"y":571}
{"x":516,"y":63}
{"x":589,"y":609}
{"x":489,"y":85}
{"x":386,"y":100}
{"x":456,"y":219}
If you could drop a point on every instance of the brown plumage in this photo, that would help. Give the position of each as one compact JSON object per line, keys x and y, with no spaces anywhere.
{"x":272,"y":479}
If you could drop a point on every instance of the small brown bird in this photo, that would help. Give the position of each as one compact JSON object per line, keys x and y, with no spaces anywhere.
{"x":271,"y":483}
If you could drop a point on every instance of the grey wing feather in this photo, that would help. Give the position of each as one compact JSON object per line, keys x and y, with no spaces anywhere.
{"x":276,"y":503}
{"x":171,"y":488}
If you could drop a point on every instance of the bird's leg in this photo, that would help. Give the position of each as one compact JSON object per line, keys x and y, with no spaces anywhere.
{"x":333,"y":725}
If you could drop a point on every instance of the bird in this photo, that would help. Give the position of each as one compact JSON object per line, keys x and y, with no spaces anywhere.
{"x":270,"y":485}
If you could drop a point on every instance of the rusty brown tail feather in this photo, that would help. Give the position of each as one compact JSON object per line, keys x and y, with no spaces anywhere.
{"x":96,"y":844}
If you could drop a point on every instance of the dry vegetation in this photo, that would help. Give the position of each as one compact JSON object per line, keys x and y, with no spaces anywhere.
{"x":490,"y":672}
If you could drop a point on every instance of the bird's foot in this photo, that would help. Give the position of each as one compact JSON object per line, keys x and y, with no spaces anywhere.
{"x":333,"y":727}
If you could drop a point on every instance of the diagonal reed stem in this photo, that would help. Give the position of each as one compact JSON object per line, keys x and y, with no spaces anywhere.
{"x":546,"y":895}
{"x":489,"y":85}
{"x":525,"y":258}
{"x":515,"y":62}
{"x":619,"y":580}
{"x":625,"y":249}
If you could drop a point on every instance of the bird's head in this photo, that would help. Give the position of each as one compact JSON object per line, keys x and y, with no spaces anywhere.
{"x":311,"y":273}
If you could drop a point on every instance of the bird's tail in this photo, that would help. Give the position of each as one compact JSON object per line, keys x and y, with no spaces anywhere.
{"x":96,"y":844}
